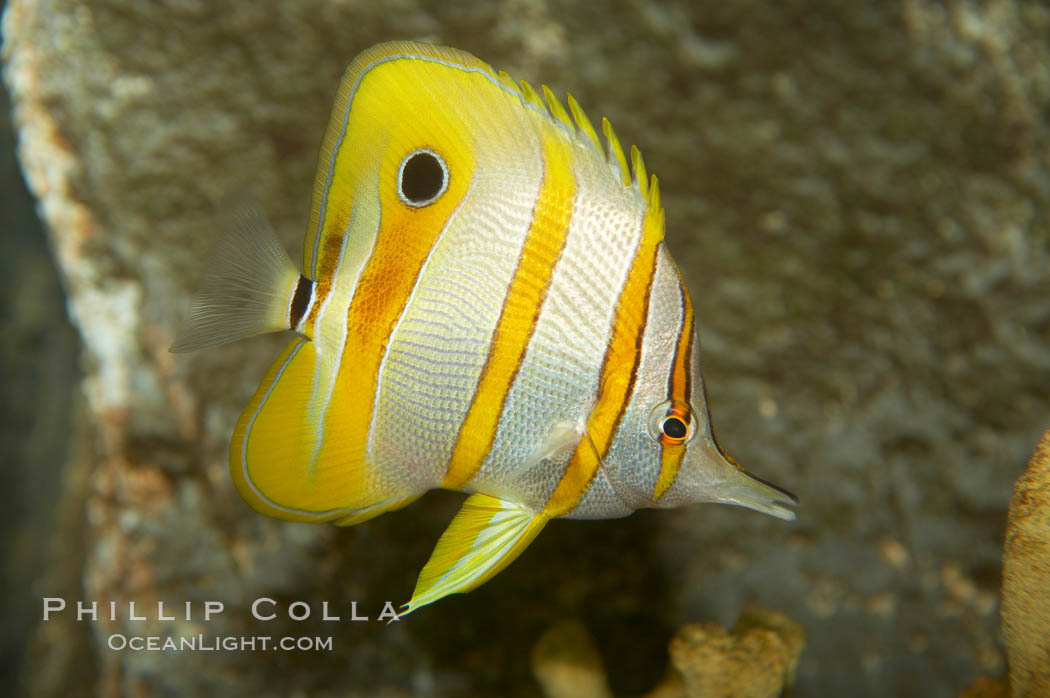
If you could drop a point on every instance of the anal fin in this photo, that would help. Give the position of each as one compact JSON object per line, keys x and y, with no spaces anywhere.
{"x":374,"y":511}
{"x":486,"y":535}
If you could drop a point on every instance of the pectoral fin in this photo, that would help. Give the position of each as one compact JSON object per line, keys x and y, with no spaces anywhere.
{"x":562,"y":437}
{"x":485,"y":536}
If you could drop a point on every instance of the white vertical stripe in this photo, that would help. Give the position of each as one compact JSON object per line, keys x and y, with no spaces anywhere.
{"x":362,"y":230}
{"x":558,"y":378}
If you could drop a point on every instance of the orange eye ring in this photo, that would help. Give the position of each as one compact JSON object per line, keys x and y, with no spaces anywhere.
{"x":672,"y":423}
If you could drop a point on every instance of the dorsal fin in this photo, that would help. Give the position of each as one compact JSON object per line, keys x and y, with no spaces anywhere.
{"x":573,"y":121}
{"x":576,"y":122}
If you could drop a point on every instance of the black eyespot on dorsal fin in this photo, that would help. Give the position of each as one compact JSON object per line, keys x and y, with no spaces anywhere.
{"x":422,"y":178}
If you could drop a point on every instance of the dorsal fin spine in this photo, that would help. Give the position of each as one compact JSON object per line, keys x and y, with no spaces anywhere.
{"x":616,"y":156}
{"x":532,"y":96}
{"x":506,"y":79}
{"x":576,"y":122}
{"x":654,"y":197}
{"x":641,"y":180}
{"x":557,"y":109}
{"x":583,"y":123}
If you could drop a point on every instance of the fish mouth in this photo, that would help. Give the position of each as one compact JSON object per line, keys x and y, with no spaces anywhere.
{"x":752,"y":492}
{"x":734,"y":485}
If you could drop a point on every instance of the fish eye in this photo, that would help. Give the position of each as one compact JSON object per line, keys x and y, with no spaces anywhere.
{"x":422,"y":178}
{"x":674,"y":427}
{"x":672,"y":423}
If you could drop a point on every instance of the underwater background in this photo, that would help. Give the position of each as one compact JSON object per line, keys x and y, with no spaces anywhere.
{"x":858,"y":194}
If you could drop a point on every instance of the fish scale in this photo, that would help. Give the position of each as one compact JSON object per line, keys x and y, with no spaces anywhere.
{"x":488,"y":307}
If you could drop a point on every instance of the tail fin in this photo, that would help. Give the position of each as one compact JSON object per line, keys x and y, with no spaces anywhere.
{"x":248,"y":288}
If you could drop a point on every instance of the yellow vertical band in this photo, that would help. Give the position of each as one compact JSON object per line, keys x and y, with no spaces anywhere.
{"x":670,"y":462}
{"x":618,"y":371}
{"x":679,"y":389}
{"x":526,"y":292}
{"x":405,"y":240}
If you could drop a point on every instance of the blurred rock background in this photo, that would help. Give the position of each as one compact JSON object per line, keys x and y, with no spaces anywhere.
{"x":38,"y":388}
{"x":858,"y":194}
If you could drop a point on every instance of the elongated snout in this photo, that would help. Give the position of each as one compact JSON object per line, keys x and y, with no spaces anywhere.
{"x":709,"y":475}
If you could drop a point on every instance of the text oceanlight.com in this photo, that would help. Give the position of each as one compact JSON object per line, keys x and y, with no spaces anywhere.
{"x":264,"y":610}
{"x":229,"y":643}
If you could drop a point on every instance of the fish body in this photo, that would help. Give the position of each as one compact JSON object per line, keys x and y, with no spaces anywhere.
{"x":486,"y":305}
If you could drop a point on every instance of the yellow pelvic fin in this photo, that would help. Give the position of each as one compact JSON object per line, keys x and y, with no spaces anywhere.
{"x":485,"y":536}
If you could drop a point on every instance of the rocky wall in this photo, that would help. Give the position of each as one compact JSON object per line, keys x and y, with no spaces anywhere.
{"x":858,"y":194}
